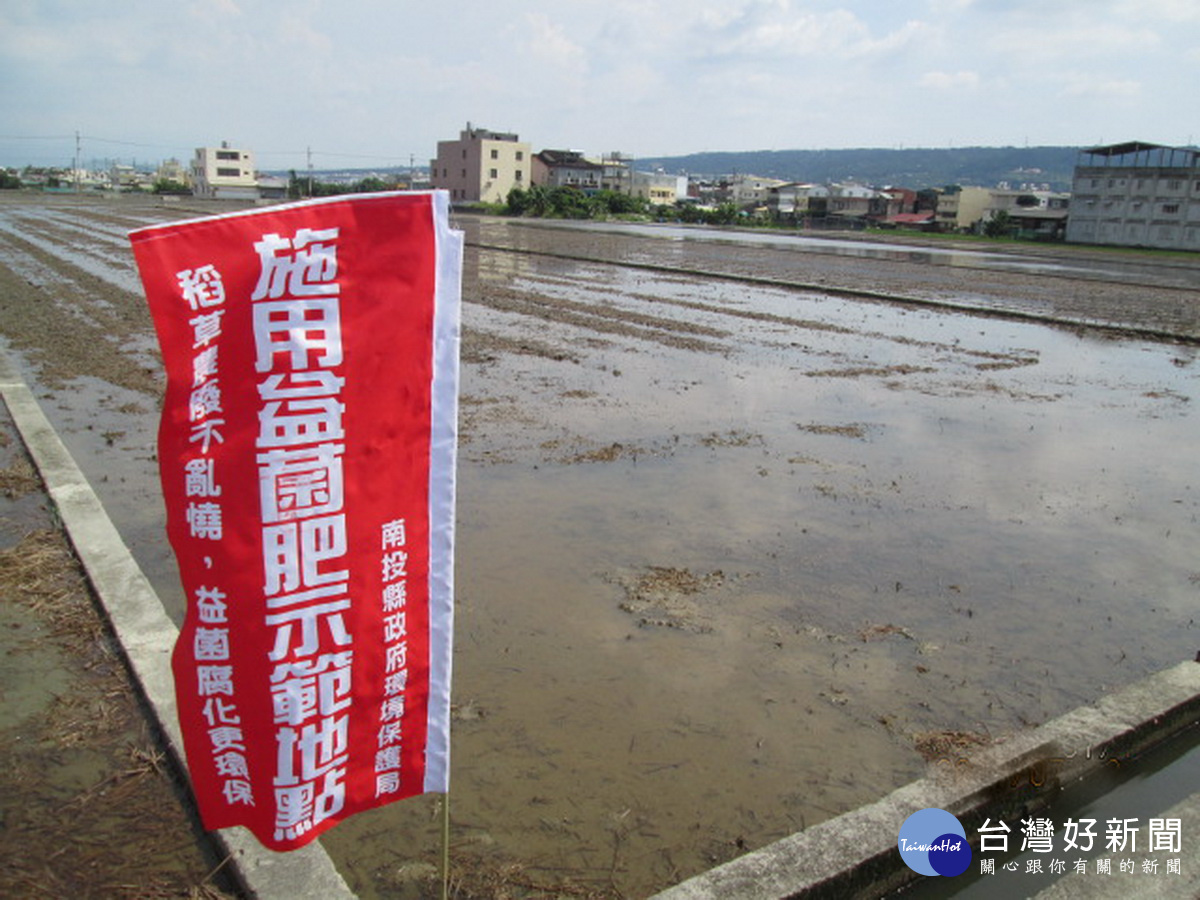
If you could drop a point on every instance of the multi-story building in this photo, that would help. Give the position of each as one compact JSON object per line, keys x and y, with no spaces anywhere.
{"x":796,"y":199}
{"x":961,"y":208}
{"x":481,"y":166}
{"x":173,"y":170}
{"x":751,"y":191}
{"x":567,"y":168}
{"x":1137,"y":194}
{"x":1038,"y":214}
{"x":618,"y":173}
{"x":224,"y":173}
{"x":658,"y":188}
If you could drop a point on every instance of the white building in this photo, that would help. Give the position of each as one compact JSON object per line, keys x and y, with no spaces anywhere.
{"x":224,"y":173}
{"x":1138,"y":195}
{"x":751,"y":191}
{"x":795,"y":198}
{"x":658,"y":188}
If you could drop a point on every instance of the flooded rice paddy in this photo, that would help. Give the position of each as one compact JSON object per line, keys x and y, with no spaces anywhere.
{"x":732,"y":559}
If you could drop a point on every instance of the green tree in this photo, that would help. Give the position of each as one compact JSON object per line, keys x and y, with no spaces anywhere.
{"x":170,"y":186}
{"x":371,"y":185}
{"x":724,"y":214}
{"x":517,"y":202}
{"x":998,"y":225}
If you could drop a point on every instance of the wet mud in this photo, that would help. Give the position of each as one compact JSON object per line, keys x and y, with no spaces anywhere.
{"x":732,"y":558}
{"x":91,"y":806}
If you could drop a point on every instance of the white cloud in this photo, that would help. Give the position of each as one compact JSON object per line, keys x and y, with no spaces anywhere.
{"x":1090,"y":86}
{"x":1165,"y":10}
{"x":205,"y":9}
{"x":948,"y":7}
{"x":670,"y":76}
{"x":1070,"y":38}
{"x":949,"y":81}
{"x":548,"y":41}
{"x":771,"y":29}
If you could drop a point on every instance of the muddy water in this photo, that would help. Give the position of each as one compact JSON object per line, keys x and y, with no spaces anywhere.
{"x":727,"y":553}
{"x":711,"y":593}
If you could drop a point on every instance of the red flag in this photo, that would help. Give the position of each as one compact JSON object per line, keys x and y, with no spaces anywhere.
{"x":307,"y":452}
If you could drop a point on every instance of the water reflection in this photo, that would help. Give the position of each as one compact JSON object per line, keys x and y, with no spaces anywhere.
{"x":1113,"y":268}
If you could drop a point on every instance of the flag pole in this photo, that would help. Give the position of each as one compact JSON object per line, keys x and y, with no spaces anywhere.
{"x":446,"y":845}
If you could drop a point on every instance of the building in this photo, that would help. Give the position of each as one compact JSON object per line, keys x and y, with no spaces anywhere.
{"x":173,"y":170}
{"x":1137,"y":195}
{"x":567,"y":168}
{"x":750,"y":191}
{"x":854,"y":205}
{"x":124,"y":178}
{"x":481,"y":166}
{"x":659,"y":189}
{"x":224,"y":173}
{"x":961,"y":208}
{"x":1032,"y":214}
{"x":795,"y":200}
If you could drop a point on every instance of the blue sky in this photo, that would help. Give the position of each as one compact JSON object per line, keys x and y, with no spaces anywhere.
{"x":372,"y":82}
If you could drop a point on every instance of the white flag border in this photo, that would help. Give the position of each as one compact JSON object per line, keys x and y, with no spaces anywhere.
{"x":443,"y":453}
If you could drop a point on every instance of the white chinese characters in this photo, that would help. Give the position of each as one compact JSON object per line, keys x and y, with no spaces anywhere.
{"x":296,"y":315}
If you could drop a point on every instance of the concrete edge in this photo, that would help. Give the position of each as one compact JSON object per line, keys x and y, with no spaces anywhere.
{"x":148,"y":636}
{"x":855,"y":854}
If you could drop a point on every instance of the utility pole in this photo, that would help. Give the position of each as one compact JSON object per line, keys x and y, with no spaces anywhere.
{"x":310,"y":172}
{"x":76,"y":169}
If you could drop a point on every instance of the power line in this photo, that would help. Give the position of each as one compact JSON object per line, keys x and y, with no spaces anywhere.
{"x":34,"y":137}
{"x":393,"y":159}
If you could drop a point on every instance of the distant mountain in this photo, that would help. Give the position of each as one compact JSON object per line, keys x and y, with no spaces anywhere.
{"x":915,"y":168}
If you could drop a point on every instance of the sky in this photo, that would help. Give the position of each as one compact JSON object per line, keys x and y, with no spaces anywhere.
{"x":373,"y":83}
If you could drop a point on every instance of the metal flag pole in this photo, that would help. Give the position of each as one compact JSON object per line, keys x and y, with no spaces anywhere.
{"x":446,"y":845}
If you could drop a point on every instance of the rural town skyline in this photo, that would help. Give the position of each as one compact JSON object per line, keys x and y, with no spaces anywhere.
{"x":375,"y":84}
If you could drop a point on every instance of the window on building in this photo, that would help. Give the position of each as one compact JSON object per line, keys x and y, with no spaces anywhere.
{"x":464,"y":173}
{"x":228,"y":154}
{"x":495,"y":153}
{"x":519,"y":177}
{"x":228,"y":173}
{"x":464,"y":152}
{"x":1170,"y":208}
{"x":520,"y":155}
{"x":1174,"y":184}
{"x":493,"y":173}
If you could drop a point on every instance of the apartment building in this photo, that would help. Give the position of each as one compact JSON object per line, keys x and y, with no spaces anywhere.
{"x":1138,"y":195}
{"x":567,"y":168}
{"x":224,"y":173}
{"x":659,"y":189}
{"x":751,"y":191}
{"x":481,"y":166}
{"x":961,"y":208}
